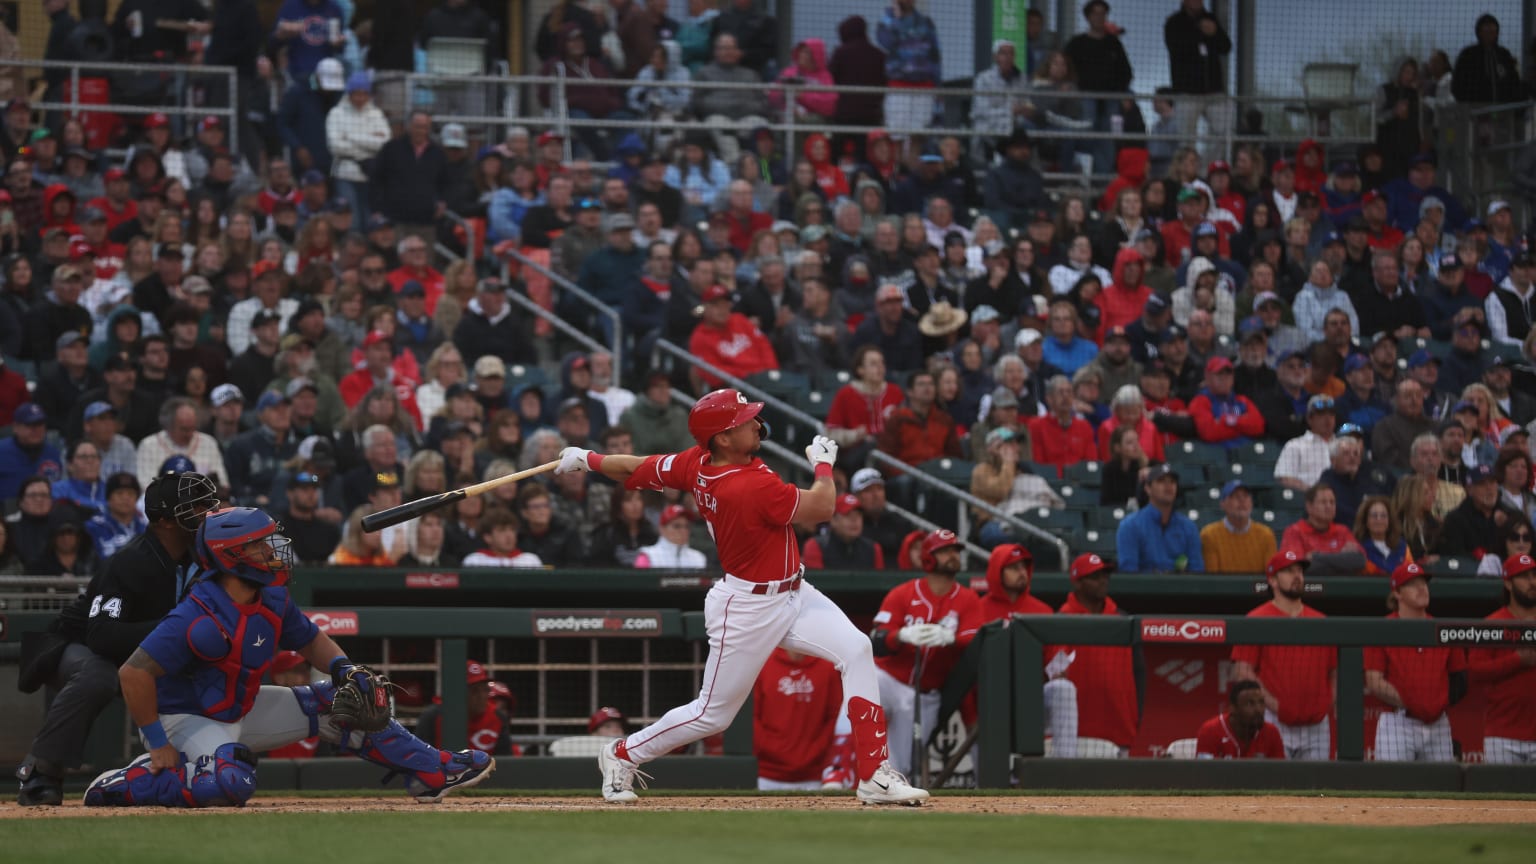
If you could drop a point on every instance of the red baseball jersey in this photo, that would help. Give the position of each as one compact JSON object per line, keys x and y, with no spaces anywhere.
{"x":1217,"y":741}
{"x":1106,"y":683}
{"x":1511,"y":710}
{"x":915,"y":603}
{"x":1421,"y":675}
{"x":1296,"y":675}
{"x":795,"y":704}
{"x":484,"y":731}
{"x":747,"y":507}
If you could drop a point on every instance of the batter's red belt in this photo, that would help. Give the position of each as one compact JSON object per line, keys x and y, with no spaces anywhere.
{"x":778,"y":587}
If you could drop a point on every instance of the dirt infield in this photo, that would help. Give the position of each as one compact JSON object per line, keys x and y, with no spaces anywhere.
{"x":1316,"y":810}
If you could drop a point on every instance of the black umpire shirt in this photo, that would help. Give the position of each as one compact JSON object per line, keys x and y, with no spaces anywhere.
{"x":125,"y":601}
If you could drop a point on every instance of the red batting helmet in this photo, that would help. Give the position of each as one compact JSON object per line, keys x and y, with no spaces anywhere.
{"x":939,"y":539}
{"x":718,"y":412}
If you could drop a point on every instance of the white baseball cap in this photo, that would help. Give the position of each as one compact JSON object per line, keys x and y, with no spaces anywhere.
{"x":1496,"y":205}
{"x":454,"y":136}
{"x":1026,"y":338}
{"x":225,"y":394}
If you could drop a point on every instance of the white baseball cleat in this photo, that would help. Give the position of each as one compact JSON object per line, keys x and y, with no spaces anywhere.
{"x":887,"y":786}
{"x":618,"y":776}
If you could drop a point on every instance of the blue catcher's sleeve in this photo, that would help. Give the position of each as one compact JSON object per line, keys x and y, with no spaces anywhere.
{"x":168,"y":644}
{"x":298,"y":630}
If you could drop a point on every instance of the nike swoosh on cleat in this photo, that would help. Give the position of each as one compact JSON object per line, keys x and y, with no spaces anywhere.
{"x":882,"y":786}
{"x":879,"y":734}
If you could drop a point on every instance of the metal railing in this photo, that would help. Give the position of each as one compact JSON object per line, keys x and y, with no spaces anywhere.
{"x":598,"y":306}
{"x":918,"y":475}
{"x":178,"y":94}
{"x":1480,"y":148}
{"x":556,"y":112}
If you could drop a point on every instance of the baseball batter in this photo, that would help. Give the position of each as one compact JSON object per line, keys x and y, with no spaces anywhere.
{"x":1419,"y":683}
{"x":1010,"y":572}
{"x":921,"y":628}
{"x":193,"y":687}
{"x":1509,"y":721}
{"x":1298,"y":681}
{"x":762,"y":602}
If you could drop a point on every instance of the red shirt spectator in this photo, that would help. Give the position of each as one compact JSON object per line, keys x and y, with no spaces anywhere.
{"x":116,"y":205}
{"x":1051,"y":443}
{"x":414,"y":266}
{"x":1317,"y":532}
{"x":744,"y":222}
{"x":1221,"y":416}
{"x":729,"y":340}
{"x":378,"y":368}
{"x":13,"y":392}
{"x":795,"y":705}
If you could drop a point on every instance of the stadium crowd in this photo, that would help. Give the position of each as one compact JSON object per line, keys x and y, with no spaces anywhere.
{"x":284,"y":323}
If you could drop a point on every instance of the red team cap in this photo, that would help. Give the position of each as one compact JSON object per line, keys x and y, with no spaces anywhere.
{"x":114,"y":174}
{"x":716,"y":292}
{"x":846,"y":504}
{"x":79,"y":249}
{"x":157,"y":120}
{"x":474,"y":672}
{"x":374,"y":338}
{"x":1281,"y":560}
{"x":1089,"y":564}
{"x":942,"y":538}
{"x":1517,"y":564}
{"x":503,"y":694}
{"x":287,"y":661}
{"x":718,"y":412}
{"x":603,"y":715}
{"x":674,"y":512}
{"x":1217,"y":364}
{"x":1406,"y":573}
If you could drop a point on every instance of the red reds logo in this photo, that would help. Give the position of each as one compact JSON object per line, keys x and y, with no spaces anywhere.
{"x":484,"y":740}
{"x":431,"y":580}
{"x":1179,"y":630}
{"x":336,"y":623}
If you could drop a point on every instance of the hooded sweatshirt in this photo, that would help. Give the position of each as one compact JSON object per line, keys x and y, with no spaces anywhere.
{"x":996,"y":603}
{"x":1120,"y":304}
{"x":819,"y":102}
{"x":52,"y":220}
{"x":1310,"y":178}
{"x":1130,"y":173}
{"x":829,"y":178}
{"x":858,"y":63}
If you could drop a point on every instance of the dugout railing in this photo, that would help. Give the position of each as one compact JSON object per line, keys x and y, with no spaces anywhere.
{"x":1009,"y":674}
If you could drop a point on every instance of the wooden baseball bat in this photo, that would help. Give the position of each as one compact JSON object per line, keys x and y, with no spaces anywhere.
{"x":411,"y":509}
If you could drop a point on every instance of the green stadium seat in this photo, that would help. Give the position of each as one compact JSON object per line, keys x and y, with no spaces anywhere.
{"x":1281,"y":498}
{"x":955,"y":472}
{"x":831,"y":382}
{"x":1106,"y":518}
{"x":1068,"y":524}
{"x":1453,"y":566}
{"x":815,"y":403}
{"x":1191,"y":474}
{"x":1099,"y":542}
{"x":1255,"y":451}
{"x":1197,"y":452}
{"x":1089,"y":475}
{"x":1255,"y":475}
{"x":519,"y":375}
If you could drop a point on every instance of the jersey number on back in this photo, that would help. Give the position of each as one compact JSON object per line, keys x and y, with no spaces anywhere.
{"x":112,"y":606}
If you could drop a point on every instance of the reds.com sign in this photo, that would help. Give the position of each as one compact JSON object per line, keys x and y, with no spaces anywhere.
{"x":431,"y":580}
{"x":335,"y":623}
{"x":1182,"y":630}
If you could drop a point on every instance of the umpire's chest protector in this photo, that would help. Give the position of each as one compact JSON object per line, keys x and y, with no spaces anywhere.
{"x":237,"y":643}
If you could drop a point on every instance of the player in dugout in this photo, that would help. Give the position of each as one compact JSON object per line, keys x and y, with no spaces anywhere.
{"x":920,"y":631}
{"x":1298,"y":681}
{"x":1241,"y":733}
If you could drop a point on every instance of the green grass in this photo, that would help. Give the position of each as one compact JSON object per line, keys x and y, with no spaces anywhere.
{"x":587,"y":792}
{"x":633,"y":836}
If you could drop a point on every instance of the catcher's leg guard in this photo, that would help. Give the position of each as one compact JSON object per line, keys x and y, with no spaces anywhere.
{"x":226,"y":778}
{"x":430,"y":773}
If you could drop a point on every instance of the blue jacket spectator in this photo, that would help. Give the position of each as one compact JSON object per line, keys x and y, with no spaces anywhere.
{"x":1405,"y":194}
{"x":27,"y":452}
{"x":911,"y":44}
{"x":1157,"y":538}
{"x":311,"y":30}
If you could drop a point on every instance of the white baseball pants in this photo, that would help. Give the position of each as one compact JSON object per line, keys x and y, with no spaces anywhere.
{"x":744,"y":628}
{"x":1308,"y":742}
{"x":1508,"y":751}
{"x":1400,"y":738}
{"x":1060,"y":700}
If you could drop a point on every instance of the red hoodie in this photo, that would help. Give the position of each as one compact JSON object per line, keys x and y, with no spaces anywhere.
{"x":738,"y":348}
{"x":1106,"y":684}
{"x":829,"y":177}
{"x":1310,"y":178}
{"x":1130,"y":173}
{"x":50,"y":220}
{"x":1120,"y":304}
{"x":996,"y":604}
{"x":795,"y":704}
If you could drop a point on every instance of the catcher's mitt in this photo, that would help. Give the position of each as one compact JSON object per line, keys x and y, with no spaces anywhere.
{"x":362,"y":700}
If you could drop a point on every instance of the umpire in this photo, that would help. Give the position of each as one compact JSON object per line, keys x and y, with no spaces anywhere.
{"x":78,"y":657}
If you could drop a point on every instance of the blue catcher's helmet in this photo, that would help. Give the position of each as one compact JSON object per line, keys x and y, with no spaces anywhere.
{"x":245,"y":542}
{"x":177,"y":464}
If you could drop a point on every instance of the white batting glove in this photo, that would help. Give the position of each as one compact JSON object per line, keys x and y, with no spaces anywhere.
{"x":573,"y":460}
{"x":940,"y":636}
{"x":821,"y":451}
{"x":913,"y":634}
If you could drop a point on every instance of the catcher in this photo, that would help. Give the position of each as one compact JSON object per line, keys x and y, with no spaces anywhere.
{"x":193,"y":687}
